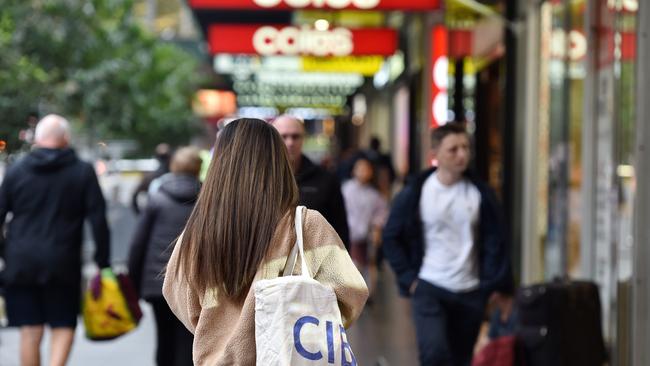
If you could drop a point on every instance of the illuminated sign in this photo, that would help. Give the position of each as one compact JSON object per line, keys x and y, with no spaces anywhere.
{"x":296,"y":89}
{"x":317,"y":4}
{"x":439,"y":76}
{"x":342,"y":18}
{"x":577,"y":45}
{"x":310,"y":79}
{"x":290,"y":40}
{"x":365,"y":65}
{"x":631,"y":6}
{"x":214,"y":103}
{"x":247,"y":64}
{"x":269,"y":40}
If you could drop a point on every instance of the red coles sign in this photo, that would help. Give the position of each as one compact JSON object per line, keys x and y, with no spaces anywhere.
{"x":289,"y":40}
{"x":317,"y":4}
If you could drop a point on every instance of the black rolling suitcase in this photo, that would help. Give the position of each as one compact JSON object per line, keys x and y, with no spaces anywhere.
{"x":559,"y":324}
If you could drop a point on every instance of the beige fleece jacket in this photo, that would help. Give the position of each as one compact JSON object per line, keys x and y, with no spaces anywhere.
{"x":224,"y":332}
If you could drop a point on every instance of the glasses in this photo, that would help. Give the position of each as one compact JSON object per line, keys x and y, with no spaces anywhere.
{"x":292,"y":136}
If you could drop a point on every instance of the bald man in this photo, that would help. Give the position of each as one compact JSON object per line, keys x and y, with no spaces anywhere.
{"x":50,"y":193}
{"x":319,"y":189}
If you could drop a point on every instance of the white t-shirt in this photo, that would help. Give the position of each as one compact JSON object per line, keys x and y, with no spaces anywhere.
{"x":450,"y":218}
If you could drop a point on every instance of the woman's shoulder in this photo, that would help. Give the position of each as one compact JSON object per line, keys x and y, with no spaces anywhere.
{"x":317,"y":227}
{"x":313,"y":217}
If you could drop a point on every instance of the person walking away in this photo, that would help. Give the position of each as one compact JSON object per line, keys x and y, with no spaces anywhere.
{"x":445,"y":239}
{"x":319,"y":189}
{"x":163,"y":154}
{"x":160,"y":224}
{"x":384,"y":172}
{"x":49,"y":193}
{"x":367,"y":211}
{"x":242,"y":231}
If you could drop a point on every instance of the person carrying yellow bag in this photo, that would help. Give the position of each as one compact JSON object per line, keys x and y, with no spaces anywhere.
{"x":49,"y":195}
{"x":110,"y":307}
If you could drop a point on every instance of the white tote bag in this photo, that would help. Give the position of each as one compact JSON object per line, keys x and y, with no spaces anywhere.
{"x":297,"y":319}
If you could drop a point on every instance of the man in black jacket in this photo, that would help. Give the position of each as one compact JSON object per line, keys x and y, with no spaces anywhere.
{"x":319,"y":189}
{"x":49,"y":193}
{"x":445,"y":239}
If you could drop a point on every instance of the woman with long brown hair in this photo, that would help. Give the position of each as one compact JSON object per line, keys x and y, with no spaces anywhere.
{"x":241,"y":231}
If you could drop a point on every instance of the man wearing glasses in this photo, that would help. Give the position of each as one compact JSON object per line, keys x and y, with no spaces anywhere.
{"x":319,"y":189}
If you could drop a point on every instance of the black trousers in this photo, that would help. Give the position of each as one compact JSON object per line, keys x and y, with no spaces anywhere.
{"x":447,"y":324}
{"x":174,"y":346}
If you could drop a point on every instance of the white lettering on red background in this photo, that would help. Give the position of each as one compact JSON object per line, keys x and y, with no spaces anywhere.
{"x":335,"y":4}
{"x":295,"y":41}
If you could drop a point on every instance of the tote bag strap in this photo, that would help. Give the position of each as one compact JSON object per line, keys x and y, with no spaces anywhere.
{"x":298,"y":249}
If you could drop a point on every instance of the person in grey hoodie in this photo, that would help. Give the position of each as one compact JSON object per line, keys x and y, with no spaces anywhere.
{"x":160,"y":223}
{"x":49,"y":194}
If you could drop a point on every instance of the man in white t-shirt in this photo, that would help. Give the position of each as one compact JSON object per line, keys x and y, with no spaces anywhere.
{"x":446,"y":241}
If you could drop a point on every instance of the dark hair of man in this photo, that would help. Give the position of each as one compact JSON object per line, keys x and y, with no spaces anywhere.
{"x":249,"y":188}
{"x":441,"y":132}
{"x":375,"y":143}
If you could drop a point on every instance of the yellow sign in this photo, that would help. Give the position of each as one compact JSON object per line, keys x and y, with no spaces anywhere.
{"x":365,"y":65}
{"x":345,"y":18}
{"x":464,"y":14}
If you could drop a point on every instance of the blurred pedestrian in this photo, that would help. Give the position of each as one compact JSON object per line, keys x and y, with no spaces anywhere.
{"x":163,"y":154}
{"x":160,"y":224}
{"x":446,"y":241}
{"x":50,"y":192}
{"x":384,"y":172}
{"x":241,"y":231}
{"x":319,"y":189}
{"x":367,"y":211}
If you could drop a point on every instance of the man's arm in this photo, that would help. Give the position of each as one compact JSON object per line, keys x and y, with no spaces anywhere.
{"x":395,"y":245}
{"x":5,"y":207}
{"x":139,"y":245}
{"x":96,"y":215}
{"x":496,"y":269}
{"x":338,"y":216}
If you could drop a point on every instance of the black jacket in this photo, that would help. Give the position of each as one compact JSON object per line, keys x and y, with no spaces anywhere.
{"x":144,"y":184}
{"x":403,"y":239}
{"x":50,"y":192}
{"x":161,"y":222}
{"x":321,"y":191}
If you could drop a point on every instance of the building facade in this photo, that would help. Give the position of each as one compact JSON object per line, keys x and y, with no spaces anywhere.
{"x":580,"y":138}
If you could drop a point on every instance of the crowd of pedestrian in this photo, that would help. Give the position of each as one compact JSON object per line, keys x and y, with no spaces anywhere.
{"x":201,"y":244}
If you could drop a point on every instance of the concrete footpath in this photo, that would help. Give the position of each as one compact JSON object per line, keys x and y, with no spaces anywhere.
{"x":135,"y":348}
{"x":383,"y":336}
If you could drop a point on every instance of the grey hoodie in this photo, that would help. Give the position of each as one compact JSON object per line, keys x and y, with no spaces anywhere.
{"x":167,"y":211}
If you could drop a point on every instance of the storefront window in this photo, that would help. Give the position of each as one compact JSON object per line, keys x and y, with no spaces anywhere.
{"x":615,"y":107}
{"x":625,"y":78}
{"x":564,"y":49}
{"x":566,"y":55}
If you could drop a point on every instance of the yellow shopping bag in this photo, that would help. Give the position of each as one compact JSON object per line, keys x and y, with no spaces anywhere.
{"x":110,"y":307}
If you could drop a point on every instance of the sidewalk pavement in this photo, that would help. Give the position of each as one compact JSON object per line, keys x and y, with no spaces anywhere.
{"x":383,"y":336}
{"x":135,"y":348}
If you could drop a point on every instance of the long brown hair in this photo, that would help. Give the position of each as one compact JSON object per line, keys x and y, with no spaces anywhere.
{"x":248,"y":190}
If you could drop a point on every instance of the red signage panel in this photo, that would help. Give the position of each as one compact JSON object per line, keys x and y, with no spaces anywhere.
{"x":439,"y":75}
{"x":317,"y":4}
{"x":290,"y":40}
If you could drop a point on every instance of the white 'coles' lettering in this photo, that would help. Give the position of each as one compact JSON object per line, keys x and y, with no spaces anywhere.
{"x":294,"y":41}
{"x":334,"y":4}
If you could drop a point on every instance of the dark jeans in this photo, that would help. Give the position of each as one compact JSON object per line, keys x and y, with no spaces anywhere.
{"x":174,"y":346}
{"x":447,"y":324}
